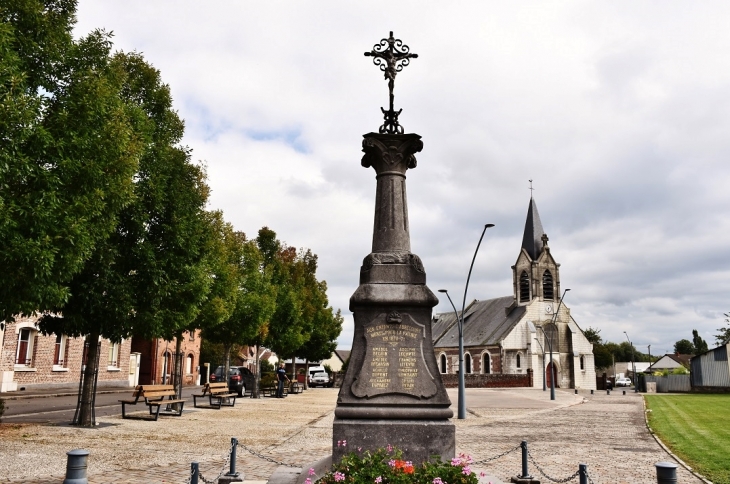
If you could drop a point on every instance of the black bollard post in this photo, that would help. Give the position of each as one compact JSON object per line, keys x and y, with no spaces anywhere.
{"x":76,"y":465}
{"x":576,"y":391}
{"x":583,"y":473}
{"x":194,"y":472}
{"x":608,"y":392}
{"x":666,"y":473}
{"x":591,"y":392}
{"x":525,"y":474}
{"x":234,"y":444}
{"x":624,"y":392}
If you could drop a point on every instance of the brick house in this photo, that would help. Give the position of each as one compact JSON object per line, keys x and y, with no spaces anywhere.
{"x":156,"y":359}
{"x":507,"y":335}
{"x":29,"y":359}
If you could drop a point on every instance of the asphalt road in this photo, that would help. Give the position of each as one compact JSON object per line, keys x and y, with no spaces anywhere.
{"x":56,"y":410}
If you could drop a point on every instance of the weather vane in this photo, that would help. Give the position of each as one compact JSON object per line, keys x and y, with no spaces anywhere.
{"x":391,"y":55}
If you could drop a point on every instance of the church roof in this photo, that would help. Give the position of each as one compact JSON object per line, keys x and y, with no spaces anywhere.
{"x":485,"y":323}
{"x":532,"y":238}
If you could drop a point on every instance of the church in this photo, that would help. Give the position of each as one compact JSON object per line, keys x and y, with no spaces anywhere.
{"x":514,"y":335}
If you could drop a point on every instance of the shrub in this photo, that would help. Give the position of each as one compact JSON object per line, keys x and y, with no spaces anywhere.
{"x":386,"y":466}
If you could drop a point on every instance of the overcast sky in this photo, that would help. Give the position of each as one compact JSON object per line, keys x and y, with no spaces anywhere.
{"x":619,"y":112}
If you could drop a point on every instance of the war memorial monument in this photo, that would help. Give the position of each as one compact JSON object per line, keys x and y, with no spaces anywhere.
{"x":392,"y":392}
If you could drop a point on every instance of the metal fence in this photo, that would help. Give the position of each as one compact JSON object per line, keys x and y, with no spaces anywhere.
{"x":670,"y":383}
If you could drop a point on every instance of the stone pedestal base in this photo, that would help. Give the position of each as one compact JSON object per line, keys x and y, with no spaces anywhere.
{"x":6,"y":382}
{"x":418,"y":439}
{"x":524,"y":480}
{"x":229,"y":479}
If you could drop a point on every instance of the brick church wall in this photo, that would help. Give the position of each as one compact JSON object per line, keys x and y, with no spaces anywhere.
{"x":494,"y":380}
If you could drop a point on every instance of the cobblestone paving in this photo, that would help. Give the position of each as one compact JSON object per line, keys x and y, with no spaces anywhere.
{"x":606,"y":432}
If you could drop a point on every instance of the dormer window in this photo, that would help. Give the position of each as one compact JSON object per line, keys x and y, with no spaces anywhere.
{"x":547,"y":286}
{"x":524,"y":287}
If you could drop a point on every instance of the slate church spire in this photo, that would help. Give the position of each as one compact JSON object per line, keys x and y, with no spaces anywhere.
{"x":535,"y":274}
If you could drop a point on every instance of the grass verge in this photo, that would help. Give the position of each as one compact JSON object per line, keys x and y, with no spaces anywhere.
{"x":697,"y":429}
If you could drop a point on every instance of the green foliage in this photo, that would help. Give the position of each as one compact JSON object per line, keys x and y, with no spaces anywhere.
{"x":301,"y":312}
{"x":593,"y":335}
{"x":681,"y":370}
{"x":723,"y":337}
{"x":266,"y":367}
{"x":605,"y":353}
{"x":69,"y":149}
{"x":684,"y":347}
{"x":699,"y":343}
{"x":327,"y":369}
{"x":387,"y":466}
{"x":345,"y":365}
{"x":696,"y":428}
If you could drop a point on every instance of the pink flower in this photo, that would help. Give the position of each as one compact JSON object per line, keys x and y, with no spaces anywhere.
{"x":390,"y":448}
{"x":438,"y":481}
{"x":339,"y":443}
{"x":482,"y":474}
{"x":307,"y":481}
{"x":466,"y":470}
{"x":465,"y":458}
{"x":455,"y":461}
{"x":391,"y":463}
{"x":339,"y":476}
{"x":311,"y":471}
{"x":359,"y":449}
{"x":378,"y":480}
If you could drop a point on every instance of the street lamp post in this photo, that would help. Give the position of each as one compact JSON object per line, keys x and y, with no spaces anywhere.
{"x":544,"y":385}
{"x":550,"y":347}
{"x":633,"y":363}
{"x":460,"y":323}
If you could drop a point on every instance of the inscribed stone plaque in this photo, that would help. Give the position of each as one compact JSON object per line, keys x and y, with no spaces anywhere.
{"x":394,"y":359}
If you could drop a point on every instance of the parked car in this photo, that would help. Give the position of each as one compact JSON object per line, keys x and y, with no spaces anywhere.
{"x":240,"y":378}
{"x":319,"y":379}
{"x":623,"y":382}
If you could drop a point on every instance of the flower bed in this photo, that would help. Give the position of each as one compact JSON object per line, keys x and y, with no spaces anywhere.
{"x":386,"y":466}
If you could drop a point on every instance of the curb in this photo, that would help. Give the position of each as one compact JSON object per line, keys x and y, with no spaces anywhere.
{"x":52,"y":395}
{"x":666,"y":449}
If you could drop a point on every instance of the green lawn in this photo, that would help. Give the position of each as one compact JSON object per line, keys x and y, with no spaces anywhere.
{"x":697,"y":429}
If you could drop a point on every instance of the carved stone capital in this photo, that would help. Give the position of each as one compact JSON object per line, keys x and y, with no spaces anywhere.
{"x":390,"y":153}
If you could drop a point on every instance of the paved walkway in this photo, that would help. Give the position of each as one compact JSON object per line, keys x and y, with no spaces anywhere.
{"x":606,"y":432}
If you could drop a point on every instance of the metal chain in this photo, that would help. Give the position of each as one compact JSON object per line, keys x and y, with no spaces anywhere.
{"x":223,"y":469}
{"x":190,"y":477}
{"x":266,"y":458}
{"x":537,"y":466}
{"x":484,"y":461}
{"x":590,"y":481}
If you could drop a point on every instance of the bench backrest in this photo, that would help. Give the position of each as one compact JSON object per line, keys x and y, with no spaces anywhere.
{"x":154,"y":391}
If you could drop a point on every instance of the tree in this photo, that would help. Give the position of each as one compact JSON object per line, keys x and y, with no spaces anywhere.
{"x":684,"y":347}
{"x":699,"y":344}
{"x":323,"y":338}
{"x":150,"y":277}
{"x":68,"y":152}
{"x":254,"y":301}
{"x":593,"y":335}
{"x":723,"y":337}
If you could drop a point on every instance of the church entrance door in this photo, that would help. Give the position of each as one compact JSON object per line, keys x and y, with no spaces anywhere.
{"x":551,"y":372}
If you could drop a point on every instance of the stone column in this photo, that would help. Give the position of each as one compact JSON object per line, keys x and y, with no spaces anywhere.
{"x":392,"y":392}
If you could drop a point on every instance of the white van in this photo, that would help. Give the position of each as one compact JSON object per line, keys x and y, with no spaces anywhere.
{"x":315,"y":369}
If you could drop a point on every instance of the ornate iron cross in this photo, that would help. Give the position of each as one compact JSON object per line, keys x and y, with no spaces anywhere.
{"x":391,"y":55}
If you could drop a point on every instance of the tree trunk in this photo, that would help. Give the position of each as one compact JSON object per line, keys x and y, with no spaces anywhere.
{"x":293,"y":368}
{"x":227,"y":369}
{"x":257,"y":375}
{"x":86,"y":409}
{"x":306,"y":374}
{"x":178,"y":376}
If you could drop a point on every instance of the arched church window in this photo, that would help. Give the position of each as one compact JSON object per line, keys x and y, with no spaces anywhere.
{"x":524,"y":287}
{"x":547,"y":286}
{"x":519,"y":363}
{"x":551,"y":338}
{"x":443,"y":363}
{"x":582,"y":363}
{"x":486,"y":364}
{"x":467,"y":363}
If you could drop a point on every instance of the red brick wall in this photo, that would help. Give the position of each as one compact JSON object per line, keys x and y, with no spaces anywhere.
{"x":153,"y":358}
{"x":42,"y":369}
{"x":494,"y":380}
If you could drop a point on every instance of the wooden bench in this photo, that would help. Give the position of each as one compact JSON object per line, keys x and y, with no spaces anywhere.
{"x":270,"y":391}
{"x":154,"y":397}
{"x":296,"y":387}
{"x":216,"y":391}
